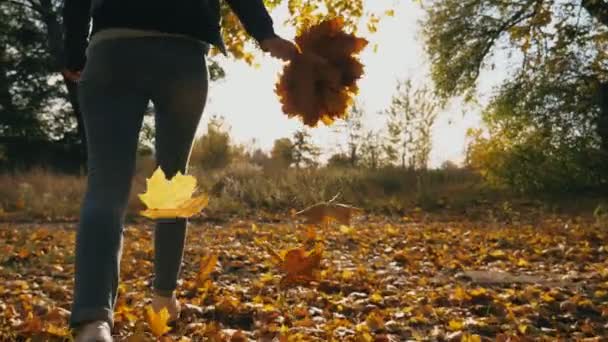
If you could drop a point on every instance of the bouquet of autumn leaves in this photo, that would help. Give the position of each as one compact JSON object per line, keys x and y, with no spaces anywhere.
{"x":320,"y":83}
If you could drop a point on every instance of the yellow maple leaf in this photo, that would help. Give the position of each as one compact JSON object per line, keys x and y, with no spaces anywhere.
{"x":376,"y":298}
{"x":522,"y":328}
{"x":206,"y":266}
{"x":455,"y":325}
{"x":346,"y":230}
{"x":171,"y":198}
{"x":480,"y":291}
{"x":158,"y":321}
{"x":470,"y":338}
{"x":460,"y":294}
{"x":497,"y":254}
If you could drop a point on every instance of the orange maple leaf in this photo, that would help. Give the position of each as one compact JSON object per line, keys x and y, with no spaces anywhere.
{"x":206,"y":266}
{"x":299,"y":265}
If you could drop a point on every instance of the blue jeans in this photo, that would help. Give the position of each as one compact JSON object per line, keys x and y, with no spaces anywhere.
{"x":121,"y":77}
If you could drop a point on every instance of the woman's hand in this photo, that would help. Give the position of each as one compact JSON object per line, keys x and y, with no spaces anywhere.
{"x":280,"y":48}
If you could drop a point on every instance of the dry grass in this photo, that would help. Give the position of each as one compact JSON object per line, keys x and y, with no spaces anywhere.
{"x":41,"y":194}
{"x":243,"y":188}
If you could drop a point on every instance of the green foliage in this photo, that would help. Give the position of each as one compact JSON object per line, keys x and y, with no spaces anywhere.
{"x":547,"y":129}
{"x":282,"y":153}
{"x":339,"y":160}
{"x":31,"y":105}
{"x":213,"y":150}
{"x":532,"y":164}
{"x":305,"y":153}
{"x":410,"y":119}
{"x":352,"y":126}
{"x":302,"y":14}
{"x":373,"y":155}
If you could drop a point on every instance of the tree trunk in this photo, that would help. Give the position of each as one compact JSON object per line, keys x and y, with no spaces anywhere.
{"x":73,"y":96}
{"x":353,"y":155}
{"x":50,"y":17}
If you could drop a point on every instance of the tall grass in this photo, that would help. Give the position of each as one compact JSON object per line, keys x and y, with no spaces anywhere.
{"x":40,"y":194}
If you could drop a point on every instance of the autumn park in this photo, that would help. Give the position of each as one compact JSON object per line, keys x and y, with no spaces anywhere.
{"x":304,"y":170}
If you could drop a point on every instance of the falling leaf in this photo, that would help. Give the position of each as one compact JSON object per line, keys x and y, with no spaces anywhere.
{"x":171,"y":198}
{"x":327,"y":212}
{"x":299,"y":265}
{"x":158,"y":321}
{"x":187,"y":209}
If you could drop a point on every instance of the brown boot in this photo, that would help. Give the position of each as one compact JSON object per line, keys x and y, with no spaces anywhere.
{"x":97,"y":331}
{"x":171,"y":303}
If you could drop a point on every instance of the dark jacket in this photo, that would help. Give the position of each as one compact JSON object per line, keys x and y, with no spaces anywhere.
{"x":199,"y":19}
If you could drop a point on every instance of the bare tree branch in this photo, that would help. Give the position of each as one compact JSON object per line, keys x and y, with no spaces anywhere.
{"x":597,"y":9}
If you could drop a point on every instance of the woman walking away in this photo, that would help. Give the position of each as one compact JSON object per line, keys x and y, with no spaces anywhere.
{"x":139,"y":51}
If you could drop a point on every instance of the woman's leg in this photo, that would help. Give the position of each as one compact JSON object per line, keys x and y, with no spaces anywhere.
{"x":113,"y":109}
{"x":179,"y":104}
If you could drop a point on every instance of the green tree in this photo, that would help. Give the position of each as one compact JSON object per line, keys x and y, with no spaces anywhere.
{"x":31,"y":107}
{"x":353,"y":125}
{"x":305,"y":153}
{"x":410,"y":119}
{"x":373,"y":155}
{"x":260,"y":158}
{"x":557,"y":87}
{"x":213,"y":150}
{"x":282,"y":153}
{"x":339,"y":160}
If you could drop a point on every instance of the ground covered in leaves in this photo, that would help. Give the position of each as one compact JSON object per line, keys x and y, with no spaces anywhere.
{"x":377,"y":280}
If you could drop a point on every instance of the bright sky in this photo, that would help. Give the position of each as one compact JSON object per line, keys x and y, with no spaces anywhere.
{"x":247,"y":100}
